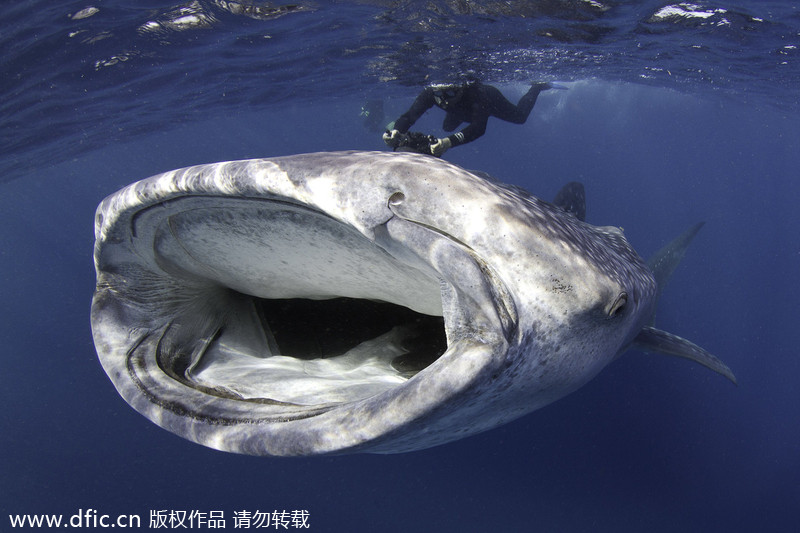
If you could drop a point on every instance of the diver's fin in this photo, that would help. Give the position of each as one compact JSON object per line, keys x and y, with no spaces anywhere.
{"x":655,"y":340}
{"x":663,"y":262}
{"x":572,"y":199}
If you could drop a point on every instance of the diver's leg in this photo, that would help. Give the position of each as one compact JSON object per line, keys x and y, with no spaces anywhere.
{"x":505,"y":110}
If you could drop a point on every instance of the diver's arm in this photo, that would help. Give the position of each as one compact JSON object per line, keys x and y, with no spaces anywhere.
{"x":423,"y":102}
{"x":468,"y":134}
{"x":474,"y":130}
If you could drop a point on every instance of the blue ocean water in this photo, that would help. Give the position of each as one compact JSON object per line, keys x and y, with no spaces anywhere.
{"x":674,"y":113}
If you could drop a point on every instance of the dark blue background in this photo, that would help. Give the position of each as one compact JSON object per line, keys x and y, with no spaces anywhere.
{"x":652,"y":444}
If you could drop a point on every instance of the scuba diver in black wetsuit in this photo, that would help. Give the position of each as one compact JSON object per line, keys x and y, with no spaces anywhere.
{"x":471,"y":102}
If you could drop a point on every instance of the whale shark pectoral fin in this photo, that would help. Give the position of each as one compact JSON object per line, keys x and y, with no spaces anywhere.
{"x":664,"y":262}
{"x":655,"y":340}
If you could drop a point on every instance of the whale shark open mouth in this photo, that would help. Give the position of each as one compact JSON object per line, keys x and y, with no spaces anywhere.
{"x":309,"y":352}
{"x":271,"y":301}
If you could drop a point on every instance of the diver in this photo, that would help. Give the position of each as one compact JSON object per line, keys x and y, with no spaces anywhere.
{"x":471,"y":102}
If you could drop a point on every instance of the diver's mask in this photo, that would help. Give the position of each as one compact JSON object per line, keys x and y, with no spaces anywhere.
{"x":445,"y":96}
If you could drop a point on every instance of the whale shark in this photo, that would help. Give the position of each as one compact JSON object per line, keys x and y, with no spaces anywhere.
{"x":349,"y":302}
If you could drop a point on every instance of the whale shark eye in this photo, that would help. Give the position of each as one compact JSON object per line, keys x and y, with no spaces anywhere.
{"x":397,"y":198}
{"x":618,"y":307}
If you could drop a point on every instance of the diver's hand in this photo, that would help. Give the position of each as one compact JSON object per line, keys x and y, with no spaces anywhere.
{"x":441,"y":146}
{"x":392,"y":138}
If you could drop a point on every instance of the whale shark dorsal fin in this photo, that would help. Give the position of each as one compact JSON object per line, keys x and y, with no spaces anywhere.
{"x":663,"y":262}
{"x":572,"y":199}
{"x":654,"y":340}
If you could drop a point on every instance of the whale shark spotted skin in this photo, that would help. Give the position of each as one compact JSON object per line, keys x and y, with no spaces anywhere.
{"x":359,"y":302}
